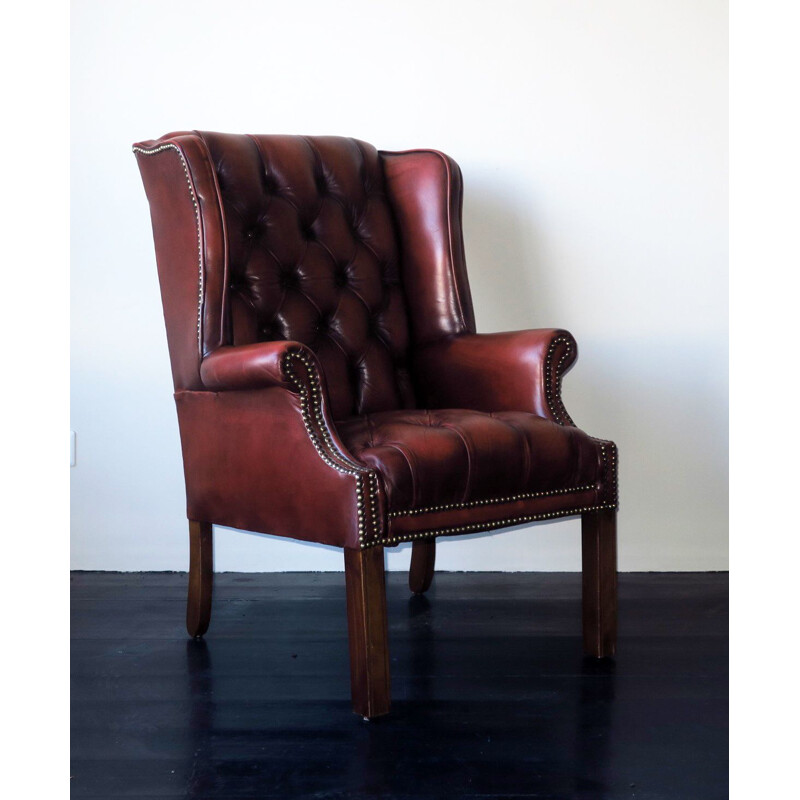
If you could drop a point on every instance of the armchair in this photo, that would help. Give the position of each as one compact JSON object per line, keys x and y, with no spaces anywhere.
{"x":330,"y":384}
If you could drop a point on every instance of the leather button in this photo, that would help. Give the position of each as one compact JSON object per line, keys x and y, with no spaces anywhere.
{"x":341,"y":278}
{"x":288,"y":279}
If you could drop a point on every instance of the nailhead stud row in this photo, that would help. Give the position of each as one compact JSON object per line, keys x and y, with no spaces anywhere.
{"x":317,"y":429}
{"x":486,"y":526}
{"x":475,"y":503}
{"x":310,"y":404}
{"x":160,"y":149}
{"x":554,"y":401}
{"x":560,"y":414}
{"x":610,"y":466}
{"x":309,"y":395}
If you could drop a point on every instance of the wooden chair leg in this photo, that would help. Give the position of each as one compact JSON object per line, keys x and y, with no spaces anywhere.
{"x":201,"y":578}
{"x":423,"y":559}
{"x":366,"y":622}
{"x":599,"y":533}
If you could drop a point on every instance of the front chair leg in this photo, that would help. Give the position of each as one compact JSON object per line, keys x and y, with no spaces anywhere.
{"x":366,"y":622}
{"x":201,"y":578}
{"x":599,"y":533}
{"x":423,"y":559}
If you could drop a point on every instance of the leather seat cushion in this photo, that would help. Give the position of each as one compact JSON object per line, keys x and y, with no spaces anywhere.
{"x":456,"y":456}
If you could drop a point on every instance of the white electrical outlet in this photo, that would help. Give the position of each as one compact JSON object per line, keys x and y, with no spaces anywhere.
{"x":72,"y":448}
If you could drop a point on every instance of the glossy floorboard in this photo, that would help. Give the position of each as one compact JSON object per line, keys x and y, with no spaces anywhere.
{"x":492,"y":697}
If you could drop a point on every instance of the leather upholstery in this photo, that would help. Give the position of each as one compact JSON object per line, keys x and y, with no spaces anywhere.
{"x":312,"y":256}
{"x":248,"y":366}
{"x":457,"y":456}
{"x":425,"y":190}
{"x":517,"y":371}
{"x":329,"y":381}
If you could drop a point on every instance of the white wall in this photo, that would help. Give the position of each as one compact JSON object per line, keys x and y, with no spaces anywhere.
{"x":593,"y":141}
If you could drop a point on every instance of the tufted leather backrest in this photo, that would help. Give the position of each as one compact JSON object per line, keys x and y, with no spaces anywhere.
{"x":356,"y":253}
{"x":312,"y":256}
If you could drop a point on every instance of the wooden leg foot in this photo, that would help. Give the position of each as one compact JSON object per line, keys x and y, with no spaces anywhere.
{"x":201,"y":578}
{"x":423,"y":559}
{"x":366,"y":622}
{"x":599,"y":533}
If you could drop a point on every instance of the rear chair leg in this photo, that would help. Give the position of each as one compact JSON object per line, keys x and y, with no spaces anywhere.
{"x":201,"y":578}
{"x":423,"y":559}
{"x":366,"y":622}
{"x":599,"y":533}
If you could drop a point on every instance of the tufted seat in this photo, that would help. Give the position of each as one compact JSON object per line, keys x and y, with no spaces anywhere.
{"x":331,"y":386}
{"x":433,"y":459}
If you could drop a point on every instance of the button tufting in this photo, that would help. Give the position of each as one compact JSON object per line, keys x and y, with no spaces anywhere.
{"x":365,"y":360}
{"x":288,"y":279}
{"x":278,"y":204}
{"x":341,"y":278}
{"x":270,"y":184}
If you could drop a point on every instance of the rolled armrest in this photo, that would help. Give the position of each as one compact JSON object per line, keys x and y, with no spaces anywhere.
{"x":250,"y":366}
{"x":250,"y":421}
{"x":516,"y":371}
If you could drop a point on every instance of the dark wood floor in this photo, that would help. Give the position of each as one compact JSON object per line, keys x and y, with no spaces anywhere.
{"x":492,"y":697}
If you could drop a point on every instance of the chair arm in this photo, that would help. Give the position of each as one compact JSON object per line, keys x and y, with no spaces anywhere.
{"x":286,"y":365}
{"x":266,"y":404}
{"x":249,"y":366}
{"x":515,"y":371}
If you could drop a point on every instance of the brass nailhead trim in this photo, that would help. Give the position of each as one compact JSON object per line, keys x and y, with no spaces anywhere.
{"x":558,"y":410}
{"x":610,"y":466}
{"x":366,"y":479}
{"x":486,"y":526}
{"x":330,"y":454}
{"x":160,"y":149}
{"x":311,"y":408}
{"x":553,"y":394}
{"x":474,"y":503}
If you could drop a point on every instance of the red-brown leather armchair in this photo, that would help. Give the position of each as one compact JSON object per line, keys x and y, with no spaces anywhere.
{"x":329,"y":381}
